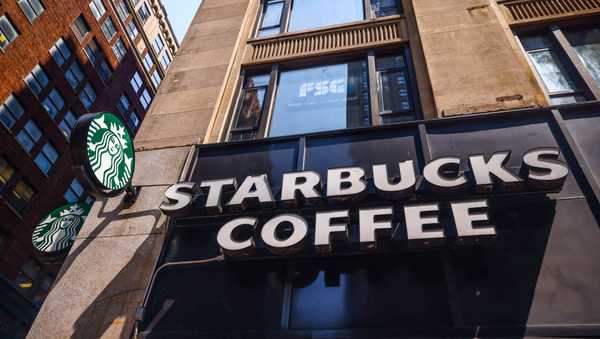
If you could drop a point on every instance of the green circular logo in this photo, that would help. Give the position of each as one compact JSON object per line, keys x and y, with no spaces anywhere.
{"x":56,"y":232}
{"x":110,"y":151}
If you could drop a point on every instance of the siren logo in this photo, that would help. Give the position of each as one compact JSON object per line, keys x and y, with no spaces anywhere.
{"x":56,"y":233}
{"x":110,"y":151}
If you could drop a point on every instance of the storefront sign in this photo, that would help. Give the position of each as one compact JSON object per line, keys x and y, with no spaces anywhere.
{"x":55,"y":234}
{"x":541,"y":171}
{"x":103,"y":150}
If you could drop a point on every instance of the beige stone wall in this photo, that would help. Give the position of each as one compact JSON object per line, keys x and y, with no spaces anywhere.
{"x":106,"y":274}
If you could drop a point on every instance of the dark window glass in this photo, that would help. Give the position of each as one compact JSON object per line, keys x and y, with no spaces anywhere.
{"x":31,"y":8}
{"x":29,"y":136}
{"x":251,"y":107}
{"x":20,"y":196}
{"x":144,"y":12}
{"x":6,"y":171}
{"x":27,"y":276}
{"x":586,"y":43}
{"x":80,"y":27}
{"x":60,"y":52}
{"x":384,"y":7}
{"x":321,"y":98}
{"x":67,"y":124}
{"x":394,"y":87}
{"x":132,"y":30}
{"x":37,"y":80}
{"x":10,"y":111}
{"x":108,"y":28}
{"x":558,"y":79}
{"x":87,"y":96}
{"x":74,"y":192}
{"x":271,"y":18}
{"x":122,"y":10}
{"x":134,"y":120}
{"x":8,"y":33}
{"x":54,"y":103}
{"x":74,"y":75}
{"x":309,"y":14}
{"x":46,"y":158}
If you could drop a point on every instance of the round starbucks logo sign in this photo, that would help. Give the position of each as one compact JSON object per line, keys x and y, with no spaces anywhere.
{"x":55,"y":234}
{"x":110,"y":151}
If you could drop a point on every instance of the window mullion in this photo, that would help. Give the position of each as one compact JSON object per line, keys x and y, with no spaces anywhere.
{"x":287,"y":12}
{"x":368,"y":13}
{"x":267,"y":112}
{"x":238,"y":105}
{"x":572,"y":57}
{"x":373,"y":90}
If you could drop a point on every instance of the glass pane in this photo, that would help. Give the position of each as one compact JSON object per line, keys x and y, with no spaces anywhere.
{"x":264,"y":33}
{"x":43,"y":163}
{"x":40,"y":75}
{"x":384,"y":7}
{"x":569,"y":99}
{"x":552,"y":71}
{"x":308,"y":14}
{"x":76,"y":187}
{"x":251,"y":108}
{"x":14,"y":106}
{"x":272,"y":14}
{"x":70,"y":196}
{"x":33,"y":85}
{"x":6,"y":171}
{"x":587,"y":45}
{"x":6,"y":118}
{"x":534,"y":42}
{"x":394,"y":96}
{"x":50,"y":152}
{"x":63,"y":48}
{"x":66,"y":129}
{"x":70,"y":119}
{"x":321,"y":99}
{"x":20,"y":196}
{"x":7,"y":31}
{"x":27,"y":10}
{"x":37,"y":6}
{"x":390,"y":62}
{"x":33,"y":130}
{"x":257,"y":81}
{"x":49,"y":107}
{"x":25,"y":141}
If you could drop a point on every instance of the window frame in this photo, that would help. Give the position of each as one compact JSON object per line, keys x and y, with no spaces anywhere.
{"x":33,"y":9}
{"x":370,"y":55}
{"x":14,"y":31}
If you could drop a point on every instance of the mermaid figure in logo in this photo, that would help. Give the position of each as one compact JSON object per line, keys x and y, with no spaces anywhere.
{"x":61,"y":233}
{"x":108,"y":158}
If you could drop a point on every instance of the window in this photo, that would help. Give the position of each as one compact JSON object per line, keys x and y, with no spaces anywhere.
{"x":29,"y":136}
{"x":132,"y":30}
{"x":8,"y":33}
{"x":158,"y":44}
{"x":20,"y":196}
{"x":252,"y":104}
{"x":97,"y":8}
{"x":156,"y":79}
{"x":53,"y":103}
{"x":123,"y":105}
{"x":145,"y":99}
{"x":44,"y":288}
{"x":122,"y":10}
{"x":134,"y":120}
{"x":67,"y":124}
{"x":381,"y":8}
{"x":310,"y":14}
{"x":98,"y":59}
{"x":46,"y":158}
{"x":37,"y":80}
{"x":394,"y":89}
{"x":321,"y":98}
{"x":165,"y":60}
{"x":80,"y":27}
{"x":26,"y":278}
{"x":119,"y":49}
{"x":104,"y":70}
{"x":60,"y":52}
{"x":31,"y":8}
{"x":87,"y":96}
{"x":271,"y":18}
{"x":586,"y":43}
{"x":108,"y":28}
{"x":148,"y":63}
{"x":93,"y":51}
{"x":144,"y":12}
{"x":74,"y":75}
{"x":326,"y":97}
{"x":74,"y":192}
{"x":6,"y":172}
{"x":10,"y":111}
{"x":555,"y":73}
{"x":136,"y":82}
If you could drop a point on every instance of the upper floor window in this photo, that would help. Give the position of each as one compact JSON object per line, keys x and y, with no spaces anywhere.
{"x":136,"y":82}
{"x":37,"y":80}
{"x":158,"y":44}
{"x":132,"y":30}
{"x":165,"y":60}
{"x":67,"y":124}
{"x":54,"y":103}
{"x":6,"y":172}
{"x":122,"y":10}
{"x":20,"y":196}
{"x":326,"y":97}
{"x":87,"y":96}
{"x":145,"y":99}
{"x":134,"y":120}
{"x":108,"y":28}
{"x":559,"y":78}
{"x":98,"y":59}
{"x":27,"y":277}
{"x":144,"y":12}
{"x":74,"y":75}
{"x":123,"y":105}
{"x":29,"y":136}
{"x":119,"y":49}
{"x":80,"y":27}
{"x":10,"y":111}
{"x":156,"y":79}
{"x":8,"y":33}
{"x":31,"y":8}
{"x":75,"y":192}
{"x":97,"y":8}
{"x":148,"y":63}
{"x":60,"y":52}
{"x":312,"y":14}
{"x":46,"y":158}
{"x":586,"y":43}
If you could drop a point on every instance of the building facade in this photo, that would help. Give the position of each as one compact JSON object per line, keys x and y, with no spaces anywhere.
{"x":60,"y":60}
{"x":260,"y":166}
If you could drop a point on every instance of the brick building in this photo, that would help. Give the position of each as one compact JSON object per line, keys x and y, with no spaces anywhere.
{"x":264,"y":92}
{"x":62,"y":59}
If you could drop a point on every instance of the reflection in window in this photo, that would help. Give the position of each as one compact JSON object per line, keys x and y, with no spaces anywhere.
{"x":67,"y":124}
{"x":74,"y":75}
{"x":74,"y":192}
{"x":382,"y":8}
{"x":53,"y":103}
{"x":321,"y":99}
{"x":6,"y":172}
{"x":46,"y":158}
{"x":20,"y":196}
{"x":80,"y":27}
{"x":10,"y":111}
{"x":29,"y":136}
{"x":586,"y":43}
{"x":310,"y":14}
{"x":60,"y":52}
{"x":8,"y":33}
{"x":252,"y":104}
{"x":394,"y":89}
{"x":559,"y":82}
{"x":271,"y":18}
{"x":87,"y":96}
{"x":31,"y":8}
{"x":37,"y":80}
